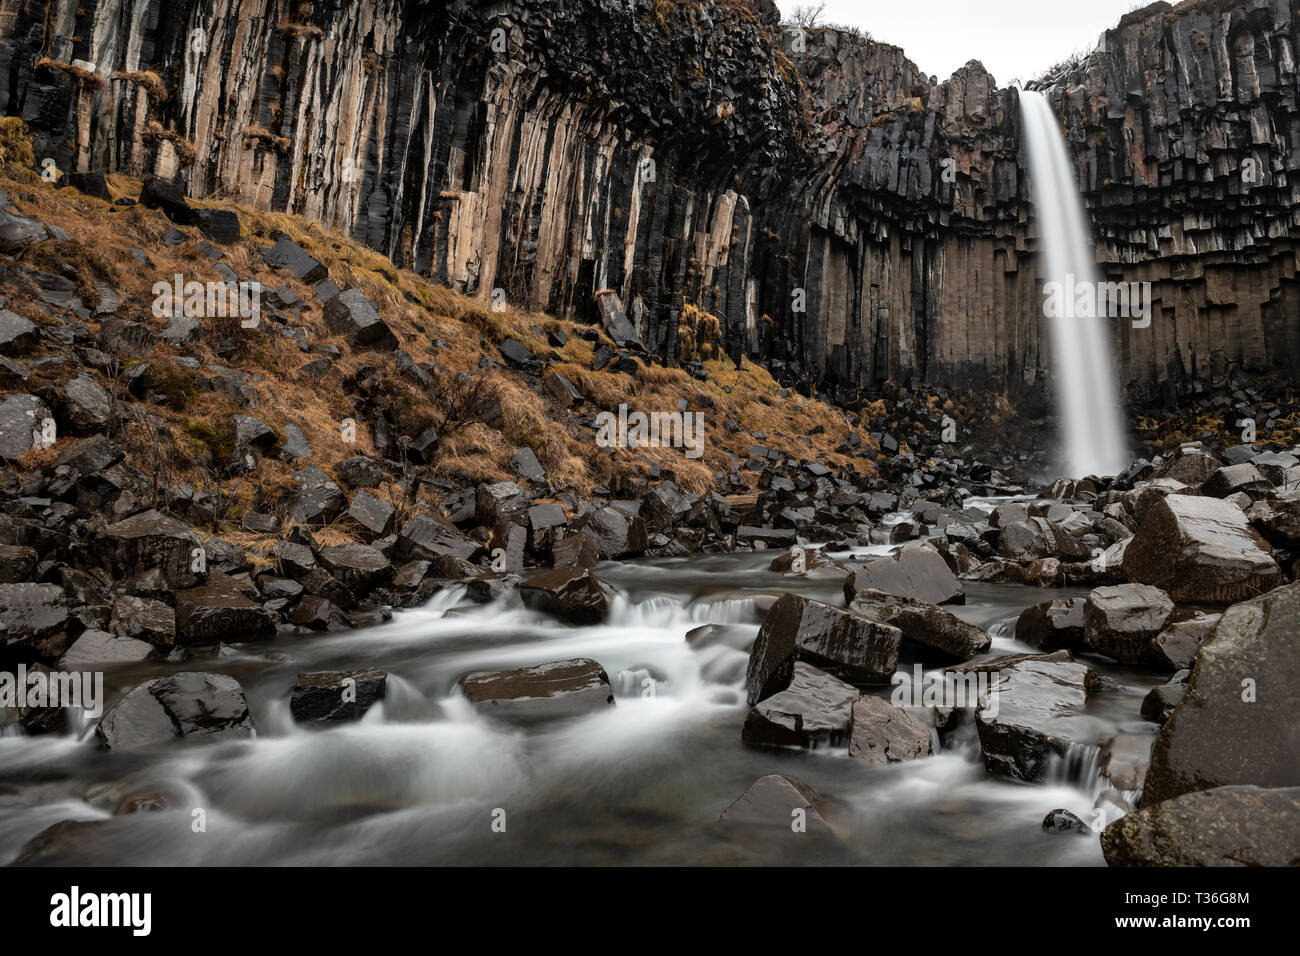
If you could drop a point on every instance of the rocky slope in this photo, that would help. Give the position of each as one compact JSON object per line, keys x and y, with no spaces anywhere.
{"x":846,"y":219}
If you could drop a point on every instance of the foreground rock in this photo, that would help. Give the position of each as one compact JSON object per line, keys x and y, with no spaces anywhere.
{"x":1052,"y":625}
{"x":1035,"y":709}
{"x":1223,"y":826}
{"x":797,"y":629}
{"x":218,"y":610}
{"x":1200,"y":551}
{"x":183,"y":705}
{"x":882,"y":733}
{"x":337,"y":695}
{"x":918,"y":572}
{"x":1237,"y":723}
{"x":814,"y":710}
{"x":926,"y":625}
{"x":550,"y":691}
{"x":574,"y":594}
{"x":781,"y":802}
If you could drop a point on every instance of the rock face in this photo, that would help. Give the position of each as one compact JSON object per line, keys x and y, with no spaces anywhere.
{"x":797,"y":629}
{"x":1200,"y":551}
{"x":1237,"y":723}
{"x":551,"y":691}
{"x":1223,"y":826}
{"x":896,"y":202}
{"x":185,"y":704}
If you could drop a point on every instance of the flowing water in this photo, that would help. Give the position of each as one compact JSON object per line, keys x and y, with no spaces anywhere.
{"x":422,"y":778}
{"x":1092,"y":432}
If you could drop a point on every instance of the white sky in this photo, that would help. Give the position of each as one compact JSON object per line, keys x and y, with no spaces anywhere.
{"x":1014,"y":39}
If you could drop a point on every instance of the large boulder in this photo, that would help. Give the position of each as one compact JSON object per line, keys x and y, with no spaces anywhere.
{"x":351,"y":315}
{"x":426,"y":538}
{"x":218,"y":610}
{"x":169,"y":199}
{"x":916,"y":571}
{"x":1035,"y":710}
{"x":337,"y":695}
{"x":1122,"y":620}
{"x":287,"y":254}
{"x":1237,"y":722}
{"x":182,"y":705}
{"x":1223,"y":826}
{"x":882,"y":733}
{"x":319,"y":500}
{"x":615,"y":321}
{"x":33,"y":621}
{"x":551,"y":691}
{"x":814,"y":709}
{"x":795,"y":629}
{"x":358,"y":567}
{"x":96,"y":649}
{"x":574,"y":594}
{"x":151,"y":539}
{"x":617,"y":533}
{"x":935,"y":632}
{"x":1200,"y":551}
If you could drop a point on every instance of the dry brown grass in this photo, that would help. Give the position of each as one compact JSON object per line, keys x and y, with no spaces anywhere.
{"x":148,"y":81}
{"x":87,"y":79}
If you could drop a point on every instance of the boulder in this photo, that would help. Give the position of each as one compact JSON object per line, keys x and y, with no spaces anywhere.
{"x":578,"y":550}
{"x":1200,"y":551}
{"x":319,"y":500}
{"x":33,"y":621}
{"x":617,"y":533}
{"x":615,"y":321}
{"x":84,"y":405}
{"x":1122,"y":620}
{"x":552,"y":691}
{"x":17,"y":563}
{"x":796,"y":629}
{"x":182,"y":705}
{"x":780,"y":802}
{"x":358,"y":567}
{"x":814,"y":709}
{"x":370,"y":515}
{"x":1222,"y":826}
{"x":217,"y":611}
{"x":20,"y":414}
{"x":96,"y":649}
{"x":337,"y":695}
{"x":153,"y":540}
{"x":1177,"y":644}
{"x":1052,"y":625}
{"x":881,"y":733}
{"x":426,"y":538}
{"x":574,"y":594}
{"x":143,"y":619}
{"x":169,"y":199}
{"x":1034,"y":710}
{"x":917,"y":571}
{"x":351,"y":315}
{"x":933,"y":631}
{"x":1237,"y":723}
{"x":287,"y":254}
{"x":18,"y":336}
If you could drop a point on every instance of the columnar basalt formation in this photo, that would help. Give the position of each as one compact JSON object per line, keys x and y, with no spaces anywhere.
{"x":848,"y":219}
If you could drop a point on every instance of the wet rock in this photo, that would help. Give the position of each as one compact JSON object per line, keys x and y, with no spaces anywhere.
{"x":617,"y":533}
{"x":1222,"y":826}
{"x":517,"y":355}
{"x":351,"y":315}
{"x":1191,"y":465}
{"x":578,"y":550}
{"x":337,"y":695}
{"x":574,"y":594}
{"x":218,"y":610}
{"x":1121,"y":620}
{"x":929,"y":627}
{"x":556,"y":690}
{"x":1200,"y":551}
{"x":1237,"y":722}
{"x":182,"y":705}
{"x":33,"y":621}
{"x":1177,"y":644}
{"x":1052,"y":625}
{"x":1236,"y":478}
{"x":811,"y":564}
{"x":882,"y":733}
{"x":219,"y":225}
{"x":1033,"y":710}
{"x":501,"y":501}
{"x":918,"y":572}
{"x":319,"y":614}
{"x":778,"y":802}
{"x":143,"y":619}
{"x":797,"y":629}
{"x":814,"y":709}
{"x":16,"y":563}
{"x":426,"y":538}
{"x":1063,"y":821}
{"x":1159,"y":703}
{"x":319,"y":500}
{"x":370,"y":515}
{"x":358,"y":567}
{"x":1125,"y":758}
{"x":96,"y":649}
{"x":153,"y":540}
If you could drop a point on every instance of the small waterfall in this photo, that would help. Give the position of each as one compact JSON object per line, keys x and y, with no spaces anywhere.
{"x":1084,"y":377}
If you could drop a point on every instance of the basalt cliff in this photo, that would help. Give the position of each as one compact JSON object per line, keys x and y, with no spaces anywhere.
{"x":848,"y":220}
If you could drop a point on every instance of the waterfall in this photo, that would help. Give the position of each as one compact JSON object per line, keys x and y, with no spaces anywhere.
{"x":1092,"y":440}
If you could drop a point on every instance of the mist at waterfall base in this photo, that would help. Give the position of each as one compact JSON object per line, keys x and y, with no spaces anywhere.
{"x":420,"y":778}
{"x":1083,"y":371}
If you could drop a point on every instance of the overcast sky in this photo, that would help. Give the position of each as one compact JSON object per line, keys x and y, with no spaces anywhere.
{"x":1012,"y":38}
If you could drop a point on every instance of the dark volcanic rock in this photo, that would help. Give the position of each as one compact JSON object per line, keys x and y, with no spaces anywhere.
{"x":337,"y":695}
{"x":915,"y":571}
{"x":1223,"y":826}
{"x":778,"y":802}
{"x":798,"y":629}
{"x":33,"y":620}
{"x":1052,"y":625}
{"x":926,"y":625}
{"x":882,"y":733}
{"x":814,"y":709}
{"x":574,"y":594}
{"x":184,"y":704}
{"x":153,"y":540}
{"x":550,"y":691}
{"x":351,"y":315}
{"x":219,"y":611}
{"x":1122,"y":620}
{"x":1237,"y":723}
{"x":1200,"y":551}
